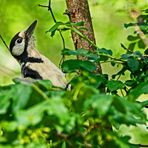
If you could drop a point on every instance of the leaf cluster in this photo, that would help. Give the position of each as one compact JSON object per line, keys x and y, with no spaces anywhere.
{"x":90,"y":114}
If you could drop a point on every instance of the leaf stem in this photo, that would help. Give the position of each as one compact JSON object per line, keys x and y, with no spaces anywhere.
{"x":40,"y":92}
{"x":76,"y":30}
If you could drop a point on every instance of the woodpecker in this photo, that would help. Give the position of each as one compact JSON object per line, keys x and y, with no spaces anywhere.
{"x":33,"y":64}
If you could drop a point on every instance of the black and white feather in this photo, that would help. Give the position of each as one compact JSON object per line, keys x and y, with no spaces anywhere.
{"x":33,"y":64}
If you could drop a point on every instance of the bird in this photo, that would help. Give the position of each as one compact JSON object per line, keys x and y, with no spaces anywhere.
{"x":33,"y":64}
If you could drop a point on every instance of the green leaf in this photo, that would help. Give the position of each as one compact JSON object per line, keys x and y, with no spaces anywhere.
{"x":104,"y":51}
{"x":87,"y":65}
{"x":132,"y":38}
{"x":138,"y":54}
{"x":118,"y":104}
{"x":100,"y":80}
{"x":64,"y":29}
{"x":9,"y":126}
{"x":63,"y":145}
{"x":81,"y":23}
{"x":130,"y":82}
{"x":146,"y":51}
{"x":133,"y":64}
{"x":100,"y":103}
{"x":80,"y":52}
{"x":5,"y":96}
{"x":74,"y":65}
{"x":134,"y":112}
{"x":31,"y":116}
{"x":133,"y":115}
{"x":131,"y":46}
{"x":54,"y":28}
{"x":125,"y":56}
{"x":146,"y":10}
{"x":113,"y":63}
{"x":114,"y":85}
{"x":44,"y":84}
{"x":144,"y":27}
{"x":120,"y":142}
{"x":142,"y":88}
{"x":21,"y":95}
{"x":144,"y":103}
{"x":141,"y":44}
{"x":53,"y":107}
{"x":129,"y":25}
{"x":61,"y":112}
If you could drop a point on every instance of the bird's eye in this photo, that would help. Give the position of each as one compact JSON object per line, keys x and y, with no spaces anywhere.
{"x":19,"y":40}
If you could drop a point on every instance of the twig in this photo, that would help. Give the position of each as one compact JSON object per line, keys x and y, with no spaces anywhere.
{"x":50,"y":9}
{"x":122,"y":92}
{"x":113,"y":58}
{"x":4,"y":42}
{"x":63,"y":41}
{"x":55,"y":21}
{"x":42,"y":5}
{"x":77,"y":31}
{"x":117,"y":62}
{"x":40,"y":92}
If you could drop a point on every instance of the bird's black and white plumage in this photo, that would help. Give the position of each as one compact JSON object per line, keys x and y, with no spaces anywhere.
{"x":33,"y":64}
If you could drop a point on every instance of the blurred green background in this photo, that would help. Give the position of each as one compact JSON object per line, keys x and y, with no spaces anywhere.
{"x":108,"y":18}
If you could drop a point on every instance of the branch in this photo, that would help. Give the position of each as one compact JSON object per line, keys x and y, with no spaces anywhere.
{"x":78,"y":10}
{"x":55,"y":21}
{"x":4,"y":42}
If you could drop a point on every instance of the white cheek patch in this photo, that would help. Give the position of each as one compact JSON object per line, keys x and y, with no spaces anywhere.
{"x":18,"y":49}
{"x":22,"y":34}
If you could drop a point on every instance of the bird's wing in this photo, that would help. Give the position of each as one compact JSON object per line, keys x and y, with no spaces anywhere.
{"x":49,"y":71}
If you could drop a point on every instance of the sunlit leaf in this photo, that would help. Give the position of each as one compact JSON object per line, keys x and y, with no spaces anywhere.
{"x":54,"y":28}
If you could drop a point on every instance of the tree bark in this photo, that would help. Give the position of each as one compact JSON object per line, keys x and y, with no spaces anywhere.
{"x":78,"y":10}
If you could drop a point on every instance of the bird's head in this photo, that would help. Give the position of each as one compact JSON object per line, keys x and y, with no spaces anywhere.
{"x":21,"y":41}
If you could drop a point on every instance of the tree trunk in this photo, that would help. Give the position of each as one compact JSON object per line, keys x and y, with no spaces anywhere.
{"x":78,"y":10}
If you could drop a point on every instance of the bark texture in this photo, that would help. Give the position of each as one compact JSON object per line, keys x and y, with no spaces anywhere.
{"x":78,"y":10}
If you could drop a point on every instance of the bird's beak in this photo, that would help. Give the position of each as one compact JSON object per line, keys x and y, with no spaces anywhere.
{"x":30,"y":29}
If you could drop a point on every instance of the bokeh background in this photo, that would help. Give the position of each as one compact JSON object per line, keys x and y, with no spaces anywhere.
{"x":108,"y":18}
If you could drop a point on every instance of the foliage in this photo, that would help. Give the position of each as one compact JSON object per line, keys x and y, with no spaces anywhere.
{"x":88,"y":115}
{"x":108,"y":18}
